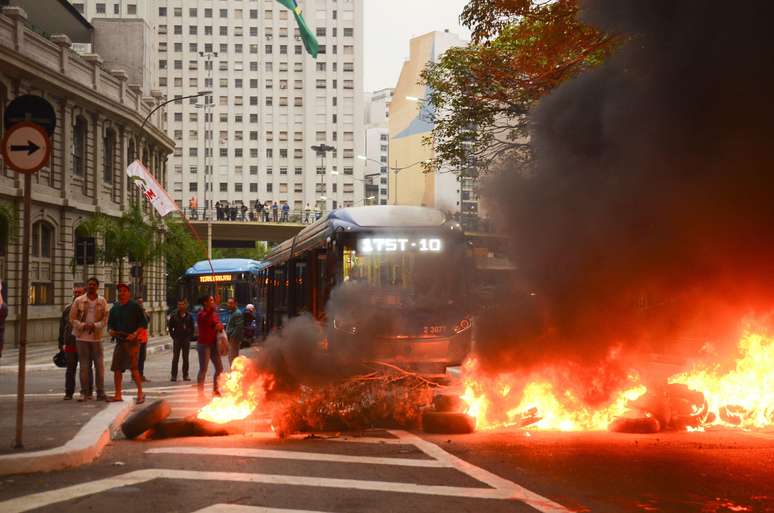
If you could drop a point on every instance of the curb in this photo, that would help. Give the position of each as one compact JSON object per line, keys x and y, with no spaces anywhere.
{"x":39,"y":367}
{"x":85,"y":446}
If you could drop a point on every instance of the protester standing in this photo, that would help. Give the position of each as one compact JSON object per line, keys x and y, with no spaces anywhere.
{"x":249,"y":331}
{"x":68,"y":345}
{"x":181,"y":329}
{"x":125,"y":320}
{"x":285,"y":212}
{"x":87,"y":318}
{"x":3,"y":315}
{"x":142,"y":338}
{"x":206,"y":345}
{"x":234,"y":329}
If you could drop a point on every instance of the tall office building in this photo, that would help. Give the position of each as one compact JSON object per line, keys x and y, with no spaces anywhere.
{"x":377,"y":145}
{"x":271,"y":101}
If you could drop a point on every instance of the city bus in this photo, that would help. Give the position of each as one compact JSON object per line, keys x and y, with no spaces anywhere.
{"x":224,"y":279}
{"x":408,"y":267}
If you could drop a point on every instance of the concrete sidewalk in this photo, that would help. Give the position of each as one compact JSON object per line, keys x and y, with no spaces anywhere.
{"x":58,"y":434}
{"x":39,"y":356}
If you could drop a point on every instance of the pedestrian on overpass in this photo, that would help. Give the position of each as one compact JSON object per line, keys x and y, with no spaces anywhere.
{"x":124,"y":323}
{"x":307,"y":214}
{"x":181,"y":329}
{"x":285,"y":211}
{"x":87,"y":318}
{"x":68,"y":345}
{"x":234,"y":329}
{"x":206,"y":345}
{"x":275,"y":211}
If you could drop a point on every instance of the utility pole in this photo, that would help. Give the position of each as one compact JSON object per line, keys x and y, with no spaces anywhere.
{"x":209,"y":115}
{"x":323,"y":148}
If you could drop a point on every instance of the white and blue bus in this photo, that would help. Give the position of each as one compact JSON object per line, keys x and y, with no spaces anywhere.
{"x":411,"y":266}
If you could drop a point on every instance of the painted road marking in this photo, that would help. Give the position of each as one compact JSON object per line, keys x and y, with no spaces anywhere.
{"x":40,"y":500}
{"x":298,"y":455}
{"x":513,"y":490}
{"x":241,"y":508}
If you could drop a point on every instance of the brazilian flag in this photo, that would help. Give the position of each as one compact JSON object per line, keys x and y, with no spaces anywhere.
{"x":310,"y":42}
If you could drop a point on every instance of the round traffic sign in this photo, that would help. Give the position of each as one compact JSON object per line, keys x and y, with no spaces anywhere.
{"x":31,"y":108}
{"x":26,"y":147}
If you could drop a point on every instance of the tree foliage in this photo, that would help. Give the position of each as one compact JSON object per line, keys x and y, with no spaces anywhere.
{"x":255,"y":253}
{"x":142,"y":239}
{"x":481,"y":94}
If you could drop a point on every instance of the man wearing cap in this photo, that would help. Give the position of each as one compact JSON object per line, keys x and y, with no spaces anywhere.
{"x":125,"y":322}
{"x":87,"y":317}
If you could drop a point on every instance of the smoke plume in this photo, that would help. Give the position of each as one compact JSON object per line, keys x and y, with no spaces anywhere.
{"x":646,"y":217}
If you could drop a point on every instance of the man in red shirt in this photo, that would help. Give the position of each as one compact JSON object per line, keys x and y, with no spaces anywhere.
{"x":206,"y":345}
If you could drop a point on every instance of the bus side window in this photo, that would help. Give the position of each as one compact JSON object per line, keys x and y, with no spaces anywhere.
{"x":320,"y":284}
{"x":301,"y":288}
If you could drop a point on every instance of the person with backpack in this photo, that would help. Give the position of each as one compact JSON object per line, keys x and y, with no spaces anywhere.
{"x":68,"y":346}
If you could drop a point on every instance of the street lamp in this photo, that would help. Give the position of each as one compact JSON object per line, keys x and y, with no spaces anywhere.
{"x":200,"y":93}
{"x":323,"y":149}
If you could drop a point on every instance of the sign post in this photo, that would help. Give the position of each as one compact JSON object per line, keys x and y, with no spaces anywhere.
{"x":26,"y":148}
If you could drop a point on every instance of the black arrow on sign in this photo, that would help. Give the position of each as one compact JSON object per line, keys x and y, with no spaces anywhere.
{"x":30,"y":148}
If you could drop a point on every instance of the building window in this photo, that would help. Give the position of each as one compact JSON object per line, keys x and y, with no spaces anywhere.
{"x":193,"y":187}
{"x":109,"y":157}
{"x":269,"y":187}
{"x":100,"y":8}
{"x":79,"y":146}
{"x":237,"y":187}
{"x":253,"y":187}
{"x":223,"y":187}
{"x":41,"y":264}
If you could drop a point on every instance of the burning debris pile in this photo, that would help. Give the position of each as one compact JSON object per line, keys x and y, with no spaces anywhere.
{"x":707,"y":395}
{"x":387,"y":397}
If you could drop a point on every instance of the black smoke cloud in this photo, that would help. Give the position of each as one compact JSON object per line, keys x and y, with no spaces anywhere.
{"x":647,"y":216}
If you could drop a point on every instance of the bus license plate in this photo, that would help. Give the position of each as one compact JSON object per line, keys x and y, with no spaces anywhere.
{"x":434,"y":330}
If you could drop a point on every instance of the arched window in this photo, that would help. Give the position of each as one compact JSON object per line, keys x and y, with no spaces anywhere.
{"x":42,"y":264}
{"x":79,"y":146}
{"x":109,"y":157}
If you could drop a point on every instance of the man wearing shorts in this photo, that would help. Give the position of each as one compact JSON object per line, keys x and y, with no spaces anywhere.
{"x":125,"y":322}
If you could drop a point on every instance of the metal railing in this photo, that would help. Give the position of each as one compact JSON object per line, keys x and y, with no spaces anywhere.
{"x":266,"y":215}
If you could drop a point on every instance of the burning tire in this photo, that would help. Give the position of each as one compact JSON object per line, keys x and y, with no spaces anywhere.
{"x":447,"y":423}
{"x":641,"y":425}
{"x":146,"y":418}
{"x":447,"y":403}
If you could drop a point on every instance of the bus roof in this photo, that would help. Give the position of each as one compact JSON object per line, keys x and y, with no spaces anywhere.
{"x":354,"y":218}
{"x":225,"y":265}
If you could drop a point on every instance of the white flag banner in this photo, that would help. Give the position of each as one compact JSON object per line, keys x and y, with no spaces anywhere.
{"x":150,"y":188}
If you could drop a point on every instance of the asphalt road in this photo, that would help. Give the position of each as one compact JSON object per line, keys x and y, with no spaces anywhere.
{"x":712,"y":472}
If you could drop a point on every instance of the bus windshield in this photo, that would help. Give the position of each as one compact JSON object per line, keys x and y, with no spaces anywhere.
{"x":412,"y":279}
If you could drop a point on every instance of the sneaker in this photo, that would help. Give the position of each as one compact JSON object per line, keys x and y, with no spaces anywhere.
{"x":67,"y":398}
{"x":173,"y":379}
{"x":101,"y":397}
{"x":145,"y":380}
{"x":186,"y":378}
{"x":84,"y":398}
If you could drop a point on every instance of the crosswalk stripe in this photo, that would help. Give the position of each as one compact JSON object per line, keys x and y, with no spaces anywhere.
{"x":43,"y":499}
{"x":297,"y":455}
{"x":242,"y":508}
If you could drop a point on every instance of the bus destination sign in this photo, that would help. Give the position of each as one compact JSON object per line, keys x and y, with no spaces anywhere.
{"x":213,"y":278}
{"x":397,"y":245}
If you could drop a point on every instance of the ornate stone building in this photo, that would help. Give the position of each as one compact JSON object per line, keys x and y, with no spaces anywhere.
{"x":98,"y":133}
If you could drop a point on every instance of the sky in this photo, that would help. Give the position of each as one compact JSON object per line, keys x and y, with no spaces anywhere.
{"x":389,"y":24}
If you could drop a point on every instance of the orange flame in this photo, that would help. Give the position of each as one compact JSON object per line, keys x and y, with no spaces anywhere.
{"x":242,"y":390}
{"x":539,"y":405}
{"x":743,"y":396}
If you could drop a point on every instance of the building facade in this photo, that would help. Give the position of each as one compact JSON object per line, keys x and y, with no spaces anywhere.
{"x":377,"y":145}
{"x":251,"y":139}
{"x":409,"y":124}
{"x":98,"y":133}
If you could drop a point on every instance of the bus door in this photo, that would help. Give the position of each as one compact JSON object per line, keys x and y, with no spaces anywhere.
{"x":320,"y":287}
